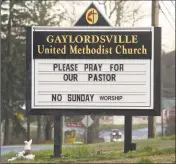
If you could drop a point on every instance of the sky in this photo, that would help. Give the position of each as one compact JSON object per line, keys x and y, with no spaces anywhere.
{"x":168,"y":31}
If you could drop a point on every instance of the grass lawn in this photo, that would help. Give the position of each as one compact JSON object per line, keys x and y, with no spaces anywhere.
{"x":158,"y":150}
{"x":109,"y":127}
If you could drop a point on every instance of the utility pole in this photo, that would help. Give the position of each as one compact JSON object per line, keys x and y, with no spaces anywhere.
{"x":155,"y":23}
{"x":162,"y":124}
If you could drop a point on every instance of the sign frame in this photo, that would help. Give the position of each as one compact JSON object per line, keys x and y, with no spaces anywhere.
{"x":88,"y":111}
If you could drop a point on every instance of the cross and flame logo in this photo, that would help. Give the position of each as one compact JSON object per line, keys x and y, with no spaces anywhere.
{"x":92,"y":16}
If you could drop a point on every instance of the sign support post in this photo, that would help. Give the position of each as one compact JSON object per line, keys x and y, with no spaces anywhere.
{"x":57,"y":136}
{"x":128,"y":133}
{"x":128,"y":145}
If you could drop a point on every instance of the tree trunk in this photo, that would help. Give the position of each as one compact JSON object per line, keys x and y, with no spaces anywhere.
{"x":38,"y":129}
{"x":6,"y":131}
{"x":118,"y":12}
{"x":6,"y":127}
{"x":48,"y":131}
{"x":93,"y":130}
{"x":28,"y":127}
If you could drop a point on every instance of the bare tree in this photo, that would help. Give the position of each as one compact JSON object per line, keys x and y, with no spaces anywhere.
{"x":122,"y":11}
{"x":73,"y":6}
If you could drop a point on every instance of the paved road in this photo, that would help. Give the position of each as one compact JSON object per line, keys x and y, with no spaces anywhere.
{"x":136,"y":134}
{"x":143,"y":133}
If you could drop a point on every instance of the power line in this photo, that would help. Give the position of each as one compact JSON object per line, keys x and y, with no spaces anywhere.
{"x":166,"y":17}
{"x":168,"y":11}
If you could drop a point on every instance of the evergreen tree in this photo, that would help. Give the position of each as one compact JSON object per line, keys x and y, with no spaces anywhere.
{"x":42,"y":13}
{"x":12,"y":68}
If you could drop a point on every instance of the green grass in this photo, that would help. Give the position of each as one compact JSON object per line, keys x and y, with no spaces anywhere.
{"x":109,"y":127}
{"x":160,"y":149}
{"x":171,"y":137}
{"x":144,"y":160}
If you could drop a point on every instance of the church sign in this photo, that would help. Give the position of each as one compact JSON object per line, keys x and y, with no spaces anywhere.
{"x":94,"y":69}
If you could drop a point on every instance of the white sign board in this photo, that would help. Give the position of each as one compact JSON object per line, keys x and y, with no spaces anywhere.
{"x":90,"y":83}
